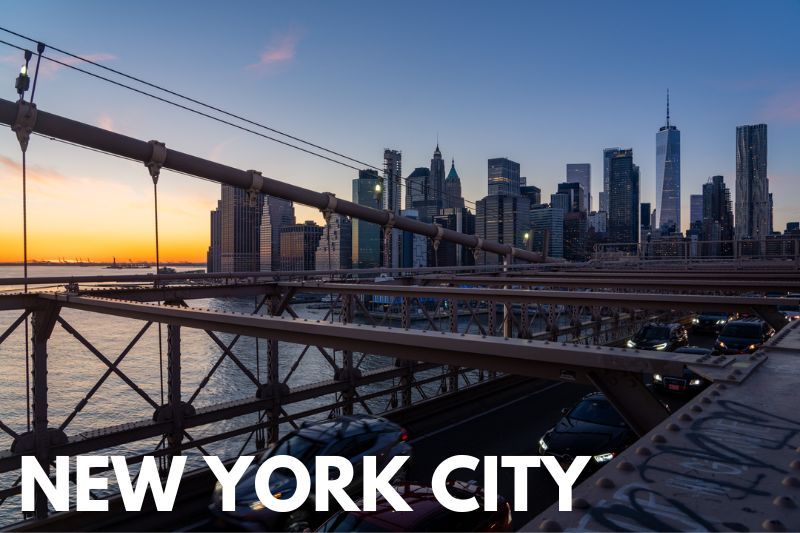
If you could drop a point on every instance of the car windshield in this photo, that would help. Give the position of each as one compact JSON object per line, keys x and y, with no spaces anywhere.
{"x":597,"y":412}
{"x":653,"y":333}
{"x":790,"y":308}
{"x":741,"y":331}
{"x":298,"y":447}
{"x":350,"y":522}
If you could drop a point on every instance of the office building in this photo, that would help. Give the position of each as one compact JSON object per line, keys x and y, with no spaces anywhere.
{"x":392,"y":175}
{"x":299,"y":244}
{"x":598,"y":221}
{"x":502,"y":218}
{"x":419,"y":195}
{"x":717,"y":225}
{"x":547,"y":225}
{"x":240,"y":219}
{"x":335,"y":249}
{"x":214,"y":255}
{"x":414,"y":251}
{"x":752,"y":186}
{"x":695,"y":210}
{"x":437,"y":180}
{"x":449,"y":253}
{"x":533,"y":193}
{"x":570,"y":197}
{"x":278,"y":213}
{"x":367,"y":237}
{"x":668,"y":177}
{"x":623,"y":200}
{"x":503,"y":176}
{"x":452,"y":189}
{"x":608,"y":154}
{"x":582,"y":173}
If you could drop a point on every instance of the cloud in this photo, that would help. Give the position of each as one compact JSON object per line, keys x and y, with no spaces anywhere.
{"x":281,"y":50}
{"x":783,"y":106}
{"x":106,"y":122}
{"x":49,"y":68}
{"x":11,"y":170}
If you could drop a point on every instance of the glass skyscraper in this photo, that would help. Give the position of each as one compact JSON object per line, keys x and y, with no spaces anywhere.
{"x":503,"y":176}
{"x":668,"y":176}
{"x":367,"y":237}
{"x":752,"y":186}
{"x":623,"y":199}
{"x":582,"y":173}
{"x":278,"y":213}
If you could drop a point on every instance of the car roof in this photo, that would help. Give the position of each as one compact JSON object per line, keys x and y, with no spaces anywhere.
{"x":699,"y":350}
{"x":747,"y":321}
{"x":344,"y":426}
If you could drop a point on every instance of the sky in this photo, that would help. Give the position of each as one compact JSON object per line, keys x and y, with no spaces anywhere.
{"x":543,"y":83}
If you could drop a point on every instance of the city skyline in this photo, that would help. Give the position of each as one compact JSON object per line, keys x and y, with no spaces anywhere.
{"x":709,"y":102}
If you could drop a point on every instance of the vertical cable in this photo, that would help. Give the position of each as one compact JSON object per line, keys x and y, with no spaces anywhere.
{"x":25,"y":276}
{"x":155,"y":283}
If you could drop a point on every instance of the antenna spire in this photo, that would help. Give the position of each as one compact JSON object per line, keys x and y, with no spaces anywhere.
{"x":667,"y":108}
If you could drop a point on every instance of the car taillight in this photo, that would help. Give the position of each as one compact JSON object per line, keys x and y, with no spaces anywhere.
{"x":403,"y":435}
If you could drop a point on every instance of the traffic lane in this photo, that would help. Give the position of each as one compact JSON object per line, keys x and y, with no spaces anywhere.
{"x":513,"y":428}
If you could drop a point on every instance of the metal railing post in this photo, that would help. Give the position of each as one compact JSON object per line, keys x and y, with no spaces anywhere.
{"x":452,"y":370}
{"x":273,"y":378}
{"x":407,"y":379}
{"x":174,"y":388}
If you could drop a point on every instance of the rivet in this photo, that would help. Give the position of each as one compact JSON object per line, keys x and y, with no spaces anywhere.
{"x":795,"y":465}
{"x":685,"y":417}
{"x":550,"y":525}
{"x":731,"y":376}
{"x":797,"y":449}
{"x":604,"y":483}
{"x":697,"y":409}
{"x":738,"y":371}
{"x":643,"y":450}
{"x":706,"y":400}
{"x":722,"y":386}
{"x":791,"y":481}
{"x":714,"y":393}
{"x":658,"y":438}
{"x":785,"y":502}
{"x":673,"y":427}
{"x":625,"y":466}
{"x":580,"y":503}
{"x":772,"y":524}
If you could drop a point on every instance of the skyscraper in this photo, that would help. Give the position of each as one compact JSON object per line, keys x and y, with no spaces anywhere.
{"x":452,"y":189}
{"x":533,"y":192}
{"x":437,"y":180}
{"x":461,"y":220}
{"x":367,"y":237}
{"x":608,"y":154}
{"x":299,"y":246}
{"x":503,"y":176}
{"x":335,"y":250}
{"x":575,"y":220}
{"x":240,"y":219}
{"x":415,"y":246}
{"x":668,"y":176}
{"x":419,"y":196}
{"x":547,"y":224}
{"x":502,"y":218}
{"x":717,"y":218}
{"x":278,"y":213}
{"x":695,"y":209}
{"x":214,"y":257}
{"x":623,"y":199}
{"x":392,"y":174}
{"x":582,"y":173}
{"x":752,"y":187}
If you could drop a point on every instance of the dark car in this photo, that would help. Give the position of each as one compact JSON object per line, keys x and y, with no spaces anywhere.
{"x":743,"y":336}
{"x":592,"y":427}
{"x":426,"y":514}
{"x":662,"y":337}
{"x":688,"y":381}
{"x":351,"y":437}
{"x":711,"y":321}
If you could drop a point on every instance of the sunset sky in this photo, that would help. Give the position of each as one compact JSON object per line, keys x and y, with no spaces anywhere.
{"x":543,"y":83}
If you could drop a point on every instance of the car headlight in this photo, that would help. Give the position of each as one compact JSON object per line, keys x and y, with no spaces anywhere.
{"x":695,"y":321}
{"x":721,"y":321}
{"x":604,"y":457}
{"x":662,"y":346}
{"x":631,"y":344}
{"x":657,"y":378}
{"x":752,"y":347}
{"x":695,"y":382}
{"x":257,"y":506}
{"x":721,"y":344}
{"x":543,"y":444}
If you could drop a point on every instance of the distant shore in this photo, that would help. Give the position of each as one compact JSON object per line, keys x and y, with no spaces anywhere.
{"x":121,"y":265}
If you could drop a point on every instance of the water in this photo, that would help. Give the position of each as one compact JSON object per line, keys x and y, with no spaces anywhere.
{"x":73,"y":371}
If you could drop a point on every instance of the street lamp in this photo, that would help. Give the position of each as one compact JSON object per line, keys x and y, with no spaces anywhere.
{"x":526,"y":239}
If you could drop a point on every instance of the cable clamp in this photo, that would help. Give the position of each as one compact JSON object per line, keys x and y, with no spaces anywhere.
{"x":330,"y":208}
{"x":157,"y":159}
{"x":476,"y":250}
{"x":438,"y":238}
{"x":387,"y":228}
{"x":26,"y":120}
{"x":256,"y":182}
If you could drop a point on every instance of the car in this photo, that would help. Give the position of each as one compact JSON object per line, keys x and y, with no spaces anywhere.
{"x":711,"y":321}
{"x":791,"y":312}
{"x":688,"y":381}
{"x":352,"y":437}
{"x":658,"y":336}
{"x":426,"y":514}
{"x":743,"y":336}
{"x":591,"y":427}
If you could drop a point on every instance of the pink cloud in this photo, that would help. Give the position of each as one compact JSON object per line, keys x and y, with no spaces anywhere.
{"x":281,"y":49}
{"x":783,"y":106}
{"x":49,"y":68}
{"x":106,"y":122}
